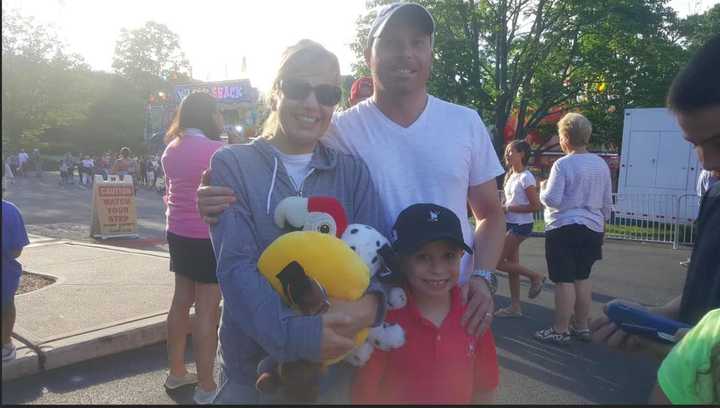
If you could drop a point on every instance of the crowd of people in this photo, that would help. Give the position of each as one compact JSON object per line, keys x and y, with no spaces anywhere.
{"x":81,"y":168}
{"x":22,"y":164}
{"x":409,"y":165}
{"x":145,"y":170}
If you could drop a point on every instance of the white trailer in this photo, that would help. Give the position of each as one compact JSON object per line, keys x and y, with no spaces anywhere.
{"x":658,"y":169}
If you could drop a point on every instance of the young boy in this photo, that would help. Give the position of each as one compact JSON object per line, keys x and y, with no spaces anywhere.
{"x":439,"y":363}
{"x":14,"y":238}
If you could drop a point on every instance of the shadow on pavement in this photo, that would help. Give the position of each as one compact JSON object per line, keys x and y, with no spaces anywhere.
{"x":589,"y":370}
{"x":94,"y":372}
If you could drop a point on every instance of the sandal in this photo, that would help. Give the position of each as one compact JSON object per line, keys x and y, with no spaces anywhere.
{"x":172,"y":382}
{"x":581,"y":334}
{"x":536,"y":289}
{"x":549,"y":335}
{"x":507,"y":312}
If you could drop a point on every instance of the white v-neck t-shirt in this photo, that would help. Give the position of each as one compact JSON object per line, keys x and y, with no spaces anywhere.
{"x":434,"y":160}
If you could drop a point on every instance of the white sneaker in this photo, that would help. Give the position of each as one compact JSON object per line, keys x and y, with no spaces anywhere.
{"x":172,"y":382}
{"x":8,"y":352}
{"x":203,"y":397}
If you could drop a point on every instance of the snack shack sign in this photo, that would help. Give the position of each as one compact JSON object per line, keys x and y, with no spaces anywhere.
{"x":227,"y":92}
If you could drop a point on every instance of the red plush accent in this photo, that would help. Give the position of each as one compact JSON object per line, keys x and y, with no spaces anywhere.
{"x":330,"y":205}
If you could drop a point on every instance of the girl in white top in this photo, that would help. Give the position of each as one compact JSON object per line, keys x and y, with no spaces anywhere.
{"x":521,"y":201}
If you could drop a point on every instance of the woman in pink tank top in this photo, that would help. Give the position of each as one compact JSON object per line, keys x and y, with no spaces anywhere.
{"x":191,"y":141}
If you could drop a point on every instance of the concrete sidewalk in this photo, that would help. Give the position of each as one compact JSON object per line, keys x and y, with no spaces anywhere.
{"x":104,"y":300}
{"x":108,"y":299}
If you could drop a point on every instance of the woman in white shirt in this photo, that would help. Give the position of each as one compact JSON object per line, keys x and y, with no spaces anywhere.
{"x":521,"y":201}
{"x":578,"y":201}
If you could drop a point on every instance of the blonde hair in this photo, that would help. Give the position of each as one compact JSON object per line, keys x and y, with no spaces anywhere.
{"x":575,"y":128}
{"x":305,"y":57}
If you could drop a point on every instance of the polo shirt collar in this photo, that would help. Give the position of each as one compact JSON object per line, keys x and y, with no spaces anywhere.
{"x":456,"y":304}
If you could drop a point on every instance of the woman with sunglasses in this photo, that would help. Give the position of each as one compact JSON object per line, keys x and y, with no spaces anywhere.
{"x":287,"y":161}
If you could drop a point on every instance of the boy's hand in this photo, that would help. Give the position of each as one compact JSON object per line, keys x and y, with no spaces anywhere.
{"x":480,"y":305}
{"x":212,"y":200}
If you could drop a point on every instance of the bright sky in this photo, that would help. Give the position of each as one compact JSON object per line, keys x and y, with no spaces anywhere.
{"x":216,"y":34}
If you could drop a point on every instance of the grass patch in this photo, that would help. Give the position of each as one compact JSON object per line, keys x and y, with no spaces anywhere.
{"x":635,"y":230}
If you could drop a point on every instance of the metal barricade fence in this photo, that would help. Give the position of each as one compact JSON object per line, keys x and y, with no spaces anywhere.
{"x":660,"y":218}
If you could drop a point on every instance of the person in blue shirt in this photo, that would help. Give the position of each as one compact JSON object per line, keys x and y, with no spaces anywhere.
{"x":14,"y":238}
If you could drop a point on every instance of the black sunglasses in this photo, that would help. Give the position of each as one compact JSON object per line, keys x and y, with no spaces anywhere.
{"x":328,"y":95}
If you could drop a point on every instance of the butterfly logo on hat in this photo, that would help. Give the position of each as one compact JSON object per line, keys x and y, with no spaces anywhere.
{"x":433,"y":216}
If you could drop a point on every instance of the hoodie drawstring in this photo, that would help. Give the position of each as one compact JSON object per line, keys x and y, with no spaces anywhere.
{"x":272,"y":185}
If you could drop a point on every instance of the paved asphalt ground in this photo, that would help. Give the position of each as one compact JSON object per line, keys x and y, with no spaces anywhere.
{"x":530,"y":372}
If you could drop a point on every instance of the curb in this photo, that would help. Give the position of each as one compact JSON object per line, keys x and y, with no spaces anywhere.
{"x":78,"y":347}
{"x":67,"y":350}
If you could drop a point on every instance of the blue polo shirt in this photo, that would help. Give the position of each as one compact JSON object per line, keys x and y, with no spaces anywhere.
{"x":14,"y":238}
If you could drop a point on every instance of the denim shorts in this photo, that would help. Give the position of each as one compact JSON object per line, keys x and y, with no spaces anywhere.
{"x":523,"y":230}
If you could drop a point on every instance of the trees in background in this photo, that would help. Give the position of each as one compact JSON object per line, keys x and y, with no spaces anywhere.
{"x":42,"y":84}
{"x":150,"y":57}
{"x":52,"y":100}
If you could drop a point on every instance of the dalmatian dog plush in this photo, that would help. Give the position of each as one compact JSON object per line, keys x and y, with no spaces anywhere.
{"x":375,"y":250}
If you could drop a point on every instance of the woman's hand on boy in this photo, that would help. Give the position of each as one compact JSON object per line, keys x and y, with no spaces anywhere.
{"x":334,"y":344}
{"x":212,"y":200}
{"x":479,"y":306}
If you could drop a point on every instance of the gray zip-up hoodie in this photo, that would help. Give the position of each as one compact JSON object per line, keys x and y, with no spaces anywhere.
{"x":255,"y":322}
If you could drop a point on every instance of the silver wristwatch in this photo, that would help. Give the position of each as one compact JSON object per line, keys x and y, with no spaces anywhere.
{"x":489,"y":277}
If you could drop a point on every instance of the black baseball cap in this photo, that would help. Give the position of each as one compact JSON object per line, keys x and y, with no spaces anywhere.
{"x":422,"y":223}
{"x":408,"y":12}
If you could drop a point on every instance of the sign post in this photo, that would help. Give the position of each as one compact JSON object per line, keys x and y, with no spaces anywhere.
{"x":113,"y":208}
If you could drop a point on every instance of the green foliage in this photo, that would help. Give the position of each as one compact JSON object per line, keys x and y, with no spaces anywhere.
{"x":52,"y":100}
{"x":698,"y":28}
{"x":150,"y":56}
{"x":41,"y":83}
{"x":115,"y":118}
